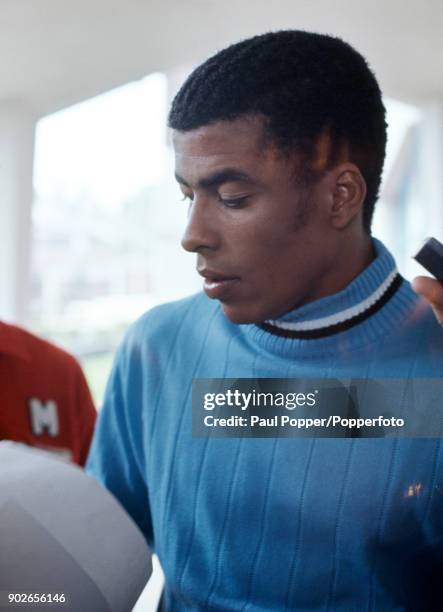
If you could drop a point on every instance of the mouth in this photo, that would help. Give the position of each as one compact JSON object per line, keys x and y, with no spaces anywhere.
{"x":217,"y":286}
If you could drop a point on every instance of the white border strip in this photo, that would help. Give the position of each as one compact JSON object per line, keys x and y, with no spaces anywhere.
{"x":342,"y":316}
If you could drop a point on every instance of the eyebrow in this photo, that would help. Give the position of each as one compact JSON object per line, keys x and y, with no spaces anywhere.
{"x":218,"y":178}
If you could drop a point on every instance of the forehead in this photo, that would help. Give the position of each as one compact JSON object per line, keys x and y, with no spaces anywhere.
{"x":240,"y":143}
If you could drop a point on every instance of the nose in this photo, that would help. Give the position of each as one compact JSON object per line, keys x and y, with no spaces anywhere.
{"x":200,"y":233}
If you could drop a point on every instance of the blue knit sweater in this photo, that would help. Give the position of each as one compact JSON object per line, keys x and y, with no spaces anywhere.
{"x":277,"y":524}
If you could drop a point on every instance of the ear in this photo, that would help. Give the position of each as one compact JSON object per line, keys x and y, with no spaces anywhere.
{"x":348,"y":194}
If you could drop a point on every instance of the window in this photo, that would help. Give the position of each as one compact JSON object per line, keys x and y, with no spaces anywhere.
{"x":107,"y":222}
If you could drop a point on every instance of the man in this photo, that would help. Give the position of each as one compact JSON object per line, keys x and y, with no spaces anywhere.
{"x":44,"y":398}
{"x":279,"y":144}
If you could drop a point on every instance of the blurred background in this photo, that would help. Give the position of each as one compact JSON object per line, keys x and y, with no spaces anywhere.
{"x":90,"y":215}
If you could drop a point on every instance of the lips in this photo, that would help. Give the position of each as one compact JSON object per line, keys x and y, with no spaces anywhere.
{"x":216,"y":285}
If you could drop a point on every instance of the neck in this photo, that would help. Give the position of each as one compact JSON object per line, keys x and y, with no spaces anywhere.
{"x":347,"y":308}
{"x":355,"y":254}
{"x":358,"y":253}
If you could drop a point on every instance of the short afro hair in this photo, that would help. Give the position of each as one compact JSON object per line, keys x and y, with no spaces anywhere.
{"x":305,"y":85}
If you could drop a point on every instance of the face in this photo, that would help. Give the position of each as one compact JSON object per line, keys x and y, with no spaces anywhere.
{"x":263,"y":243}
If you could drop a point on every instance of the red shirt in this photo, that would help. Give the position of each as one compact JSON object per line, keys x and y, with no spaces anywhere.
{"x":44,"y":398}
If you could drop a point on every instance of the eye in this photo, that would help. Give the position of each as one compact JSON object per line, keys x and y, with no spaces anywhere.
{"x":233,"y":202}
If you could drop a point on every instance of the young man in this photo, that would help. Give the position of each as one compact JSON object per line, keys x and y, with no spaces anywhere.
{"x":279,"y":143}
{"x":44,"y":398}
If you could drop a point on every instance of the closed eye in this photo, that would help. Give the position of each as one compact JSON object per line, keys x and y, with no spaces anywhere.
{"x":233,"y":202}
{"x":228,"y":202}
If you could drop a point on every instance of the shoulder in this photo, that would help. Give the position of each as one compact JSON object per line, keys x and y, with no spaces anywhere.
{"x":20,"y":342}
{"x":420,"y":323}
{"x":420,"y":316}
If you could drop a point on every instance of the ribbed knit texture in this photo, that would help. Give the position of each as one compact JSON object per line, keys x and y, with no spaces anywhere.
{"x":276,"y":524}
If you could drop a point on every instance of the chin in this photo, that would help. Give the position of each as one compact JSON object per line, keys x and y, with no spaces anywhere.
{"x":242,"y":315}
{"x":247,"y":313}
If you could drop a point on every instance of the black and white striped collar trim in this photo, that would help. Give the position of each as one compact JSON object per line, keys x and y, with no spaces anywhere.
{"x":340,"y":321}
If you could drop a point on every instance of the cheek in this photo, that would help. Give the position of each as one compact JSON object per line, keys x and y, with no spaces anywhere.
{"x":274,"y":247}
{"x":282,"y":267}
{"x":265,"y":236}
{"x":272,"y":264}
{"x":261,"y":253}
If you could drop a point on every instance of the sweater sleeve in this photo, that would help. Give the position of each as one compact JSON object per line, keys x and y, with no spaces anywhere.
{"x":116,"y":458}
